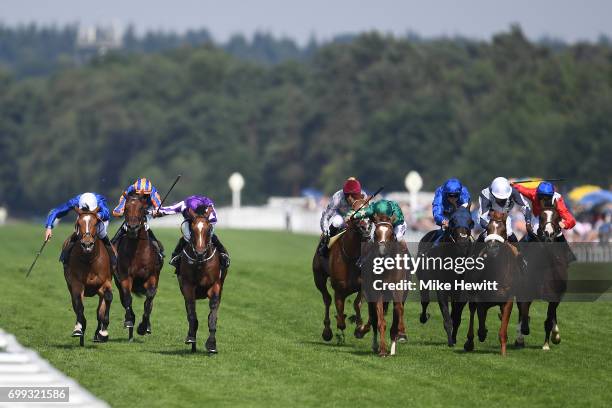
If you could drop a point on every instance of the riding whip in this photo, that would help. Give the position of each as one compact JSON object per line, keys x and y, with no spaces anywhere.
{"x":36,"y":259}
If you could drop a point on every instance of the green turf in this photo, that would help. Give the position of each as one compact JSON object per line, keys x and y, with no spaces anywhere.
{"x":270,"y":349}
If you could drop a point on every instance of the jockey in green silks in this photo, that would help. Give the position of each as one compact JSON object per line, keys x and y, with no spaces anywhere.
{"x":387,"y":208}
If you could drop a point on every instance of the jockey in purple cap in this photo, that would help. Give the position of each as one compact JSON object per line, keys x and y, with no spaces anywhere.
{"x":199,"y":205}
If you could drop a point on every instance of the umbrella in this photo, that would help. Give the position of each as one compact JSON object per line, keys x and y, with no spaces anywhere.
{"x":596,"y":198}
{"x":576,"y":194}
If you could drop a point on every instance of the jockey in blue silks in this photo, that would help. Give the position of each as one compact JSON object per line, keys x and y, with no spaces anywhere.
{"x":89,"y":202}
{"x":448,"y":197}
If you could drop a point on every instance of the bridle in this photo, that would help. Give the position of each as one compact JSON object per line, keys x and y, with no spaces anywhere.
{"x":209,"y":250}
{"x":551,"y":220}
{"x":141,"y":217}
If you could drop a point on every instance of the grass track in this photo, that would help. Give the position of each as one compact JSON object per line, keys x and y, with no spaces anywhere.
{"x":270,"y":349}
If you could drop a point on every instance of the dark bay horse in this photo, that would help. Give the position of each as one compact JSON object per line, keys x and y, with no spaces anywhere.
{"x":547,"y":264}
{"x":200,"y":277}
{"x":501,"y":266}
{"x":385,"y":245}
{"x":345,"y":277}
{"x":138,"y":265}
{"x":88,"y":273}
{"x":456,"y":243}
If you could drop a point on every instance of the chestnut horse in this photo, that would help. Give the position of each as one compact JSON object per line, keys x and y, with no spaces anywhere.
{"x":386,"y":245}
{"x":345,"y":276}
{"x":138,"y":265}
{"x":200,"y":277}
{"x":88,"y":273}
{"x":547,"y":263}
{"x":501,"y":266}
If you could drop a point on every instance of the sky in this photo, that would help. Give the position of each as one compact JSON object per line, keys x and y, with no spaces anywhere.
{"x":569,"y":20}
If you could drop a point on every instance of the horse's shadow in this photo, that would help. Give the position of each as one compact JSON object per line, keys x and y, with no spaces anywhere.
{"x":183,"y":352}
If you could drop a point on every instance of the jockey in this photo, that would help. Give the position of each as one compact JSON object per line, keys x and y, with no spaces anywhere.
{"x":199,"y":205}
{"x":545,"y":194}
{"x":448,"y":197}
{"x":332,"y":219}
{"x":500,"y":196}
{"x":387,"y":208}
{"x":85,"y":201}
{"x":142,"y":186}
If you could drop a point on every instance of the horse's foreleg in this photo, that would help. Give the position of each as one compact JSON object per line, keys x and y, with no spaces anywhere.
{"x":340,"y":316}
{"x":503,"y":330}
{"x":482,"y":310}
{"x":424,"y":317}
{"x":151,"y":290}
{"x":550,"y":325}
{"x":456,"y":313}
{"x":125,"y":290}
{"x":398,"y":315}
{"x":321,"y":284}
{"x":77,"y":306}
{"x":106,"y":297}
{"x":446,"y":318}
{"x":211,"y":342}
{"x":382,"y":327}
{"x":192,"y":317}
{"x":522,"y":329}
{"x":469,"y":343}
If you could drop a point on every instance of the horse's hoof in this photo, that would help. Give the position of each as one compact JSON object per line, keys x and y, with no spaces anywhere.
{"x":546,"y":347}
{"x":211,"y":346}
{"x":358,"y":333}
{"x":127,"y":324}
{"x":190,"y":340}
{"x":77,"y":333}
{"x":468,"y":346}
{"x":424,"y":317}
{"x":352,"y":318}
{"x":141,"y":329}
{"x":327,"y":334}
{"x":402,"y":338}
{"x":382,"y":354}
{"x":451,"y":344}
{"x":98,"y":338}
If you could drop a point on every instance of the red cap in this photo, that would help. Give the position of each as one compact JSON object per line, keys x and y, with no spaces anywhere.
{"x":352,"y":186}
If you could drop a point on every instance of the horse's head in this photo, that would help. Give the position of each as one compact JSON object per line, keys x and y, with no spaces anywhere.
{"x":496,"y":229}
{"x":460,"y":226}
{"x":549,"y":224}
{"x":361,"y":226}
{"x":201,"y":233}
{"x":135,"y":214}
{"x":86,"y":228}
{"x":383,"y":232}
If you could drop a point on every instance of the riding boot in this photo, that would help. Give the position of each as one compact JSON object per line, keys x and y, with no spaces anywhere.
{"x":111,"y":251}
{"x":323,"y":250}
{"x":158,"y":244}
{"x":118,"y":235}
{"x":175,"y":257}
{"x":67,"y":248}
{"x":225,"y":259}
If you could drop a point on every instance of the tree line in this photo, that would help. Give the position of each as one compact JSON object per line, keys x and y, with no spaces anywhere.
{"x":374,"y":107}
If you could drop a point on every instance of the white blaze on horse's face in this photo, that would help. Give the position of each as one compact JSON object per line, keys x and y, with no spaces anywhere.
{"x":383,"y":230}
{"x":549,"y":228}
{"x":87,"y":220}
{"x":200,"y":234}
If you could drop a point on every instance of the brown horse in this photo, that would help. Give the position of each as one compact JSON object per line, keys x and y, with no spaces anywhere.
{"x":200,"y":277}
{"x":345,"y":276}
{"x":138,"y":265}
{"x":88,"y":273}
{"x":501,"y":266}
{"x":386,"y":245}
{"x":547,"y":256}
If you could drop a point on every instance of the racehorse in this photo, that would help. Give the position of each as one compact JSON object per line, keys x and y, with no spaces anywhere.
{"x":345,"y":276}
{"x":200,"y":277}
{"x":547,"y":264}
{"x":138,"y":265}
{"x":455,"y":243}
{"x":386,"y":245}
{"x":89,"y":273}
{"x":501,"y":266}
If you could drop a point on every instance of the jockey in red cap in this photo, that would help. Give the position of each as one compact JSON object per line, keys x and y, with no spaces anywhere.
{"x":332,"y":219}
